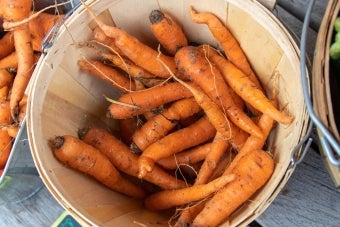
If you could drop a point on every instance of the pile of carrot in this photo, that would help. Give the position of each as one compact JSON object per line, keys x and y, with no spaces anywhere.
{"x":193,"y":121}
{"x":20,"y":49}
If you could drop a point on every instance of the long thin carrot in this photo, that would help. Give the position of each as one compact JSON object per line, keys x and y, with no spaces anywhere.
{"x":108,"y":74}
{"x":167,"y":31}
{"x":124,"y":160}
{"x":6,"y":45}
{"x":229,"y":43}
{"x":195,"y":134}
{"x":80,"y":156}
{"x":188,"y":157}
{"x":253,"y":171}
{"x":248,"y":90}
{"x":138,"y":52}
{"x":161,"y":124}
{"x":16,"y":11}
{"x":192,"y":62}
{"x":139,"y":102}
{"x":171,"y":198}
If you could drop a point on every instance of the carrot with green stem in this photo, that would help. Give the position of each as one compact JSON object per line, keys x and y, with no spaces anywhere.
{"x":85,"y":158}
{"x":195,"y":65}
{"x":230,"y":45}
{"x":17,"y":11}
{"x":125,"y":160}
{"x":195,"y":134}
{"x":108,"y":74}
{"x":135,"y":50}
{"x":247,"y":89}
{"x":159,"y":126}
{"x":252,"y":172}
{"x":171,"y":198}
{"x":139,"y":102}
{"x":167,"y":31}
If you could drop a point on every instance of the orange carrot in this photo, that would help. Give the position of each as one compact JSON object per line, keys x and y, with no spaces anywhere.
{"x":17,"y":11}
{"x":161,"y":124}
{"x":171,"y":198}
{"x":230,"y":45}
{"x":5,"y":120}
{"x":252,"y":172}
{"x":128,"y":66}
{"x":127,"y":127}
{"x":80,"y":156}
{"x":124,"y":160}
{"x":248,"y":90}
{"x":192,"y":63}
{"x":108,"y":74}
{"x":139,"y":102}
{"x":188,"y":157}
{"x":6,"y":78}
{"x":39,"y":27}
{"x":195,"y":134}
{"x":167,"y":31}
{"x":138,"y":52}
{"x":9,"y":62}
{"x":6,"y":45}
{"x":104,"y":40}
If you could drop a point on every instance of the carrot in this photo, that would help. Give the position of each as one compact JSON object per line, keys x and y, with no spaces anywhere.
{"x":192,"y":63}
{"x":80,"y":156}
{"x":5,"y":138}
{"x":104,"y":40}
{"x":188,"y":157}
{"x":108,"y":74}
{"x":266,"y":123}
{"x":195,"y":134}
{"x":9,"y":62}
{"x":248,"y":90}
{"x":128,"y":66}
{"x":150,"y":82}
{"x":138,"y":52}
{"x":6,"y":78}
{"x":161,"y":124}
{"x":17,"y":11}
{"x":139,"y":102}
{"x":39,"y":26}
{"x":167,"y":31}
{"x":230,"y":45}
{"x":252,"y":172}
{"x":6,"y":45}
{"x":124,"y":160}
{"x":171,"y":198}
{"x":127,"y":128}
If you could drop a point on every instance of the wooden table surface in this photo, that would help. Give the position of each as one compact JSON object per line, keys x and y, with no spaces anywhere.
{"x":308,"y":199}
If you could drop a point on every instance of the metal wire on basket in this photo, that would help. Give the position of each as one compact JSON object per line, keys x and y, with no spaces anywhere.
{"x":329,"y":144}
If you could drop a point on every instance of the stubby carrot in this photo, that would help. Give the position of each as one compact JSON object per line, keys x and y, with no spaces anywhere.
{"x":252,"y":172}
{"x":80,"y":156}
{"x":6,"y":45}
{"x":193,"y":135}
{"x":158,"y":126}
{"x":230,"y":45}
{"x":195,"y":65}
{"x":138,"y":52}
{"x":167,"y":31}
{"x":108,"y":74}
{"x":171,"y":198}
{"x":125,"y":160}
{"x":139,"y":102}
